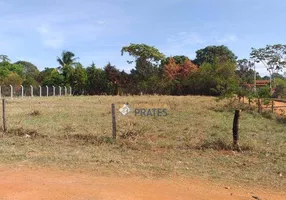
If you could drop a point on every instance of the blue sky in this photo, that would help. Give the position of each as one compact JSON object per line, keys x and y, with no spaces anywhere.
{"x":38,"y":31}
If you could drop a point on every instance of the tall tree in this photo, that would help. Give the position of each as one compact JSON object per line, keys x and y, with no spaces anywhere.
{"x":4,"y":58}
{"x":178,"y":60}
{"x":12,"y":68}
{"x":8,"y":71}
{"x":67,"y":61}
{"x":29,"y":69}
{"x":176,"y":76}
{"x":51,"y":77}
{"x":211,"y":54}
{"x":78,"y":79}
{"x":273,"y":57}
{"x":96,"y":80}
{"x":245,"y":71}
{"x":277,"y":75}
{"x":145,"y":74}
{"x":13,"y":79}
{"x":113,"y":77}
{"x":146,"y":57}
{"x":218,"y":78}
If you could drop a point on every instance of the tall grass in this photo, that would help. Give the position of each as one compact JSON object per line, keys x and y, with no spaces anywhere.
{"x":193,"y":140}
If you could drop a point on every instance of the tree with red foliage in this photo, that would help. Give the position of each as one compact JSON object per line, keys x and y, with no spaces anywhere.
{"x":171,"y":69}
{"x":176,"y":74}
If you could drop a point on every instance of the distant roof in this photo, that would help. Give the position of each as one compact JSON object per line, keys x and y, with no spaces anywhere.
{"x":262,"y":81}
{"x":258,"y":83}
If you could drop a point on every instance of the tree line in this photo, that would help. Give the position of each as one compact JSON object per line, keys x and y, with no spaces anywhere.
{"x":214,"y":71}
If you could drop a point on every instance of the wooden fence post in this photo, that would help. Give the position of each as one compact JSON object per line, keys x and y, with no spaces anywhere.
{"x":4,"y":115}
{"x":259,"y":106}
{"x":235,"y":132}
{"x":272,"y":106}
{"x":113,"y":121}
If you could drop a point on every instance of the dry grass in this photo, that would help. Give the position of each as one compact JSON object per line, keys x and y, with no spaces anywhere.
{"x":193,"y":140}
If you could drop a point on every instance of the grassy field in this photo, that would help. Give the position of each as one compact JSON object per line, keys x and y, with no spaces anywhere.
{"x":194,"y":140}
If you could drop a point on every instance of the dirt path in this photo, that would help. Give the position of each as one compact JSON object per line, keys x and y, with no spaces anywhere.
{"x":282,"y":106}
{"x":279,"y":107}
{"x":44,"y":184}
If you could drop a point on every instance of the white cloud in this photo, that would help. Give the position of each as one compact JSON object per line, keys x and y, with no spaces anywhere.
{"x":186,"y":43}
{"x":226,"y":39}
{"x":63,"y":24}
{"x":182,"y":44}
{"x":185,"y":38}
{"x":51,"y":38}
{"x":191,"y":38}
{"x":101,"y":22}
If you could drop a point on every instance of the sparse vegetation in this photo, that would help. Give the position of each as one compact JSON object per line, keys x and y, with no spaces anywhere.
{"x":193,"y":140}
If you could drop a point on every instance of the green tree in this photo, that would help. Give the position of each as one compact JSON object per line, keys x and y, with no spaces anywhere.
{"x":113,"y":77}
{"x":28,"y":69}
{"x":7,"y":68}
{"x":4,"y":72}
{"x":245,"y":71}
{"x":146,"y":57}
{"x":51,"y":77}
{"x":30,"y":73}
{"x":13,"y":79}
{"x":96,"y":80}
{"x":218,"y":78}
{"x":179,"y":60}
{"x":211,"y":54}
{"x":78,"y":79}
{"x":280,"y":87}
{"x":125,"y":83}
{"x":146,"y":72}
{"x":16,"y":68}
{"x":4,"y":58}
{"x":67,"y":62}
{"x":273,"y":57}
{"x":29,"y":81}
{"x":277,"y":75}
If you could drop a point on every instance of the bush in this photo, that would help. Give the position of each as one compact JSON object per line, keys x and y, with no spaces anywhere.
{"x":268,"y":114}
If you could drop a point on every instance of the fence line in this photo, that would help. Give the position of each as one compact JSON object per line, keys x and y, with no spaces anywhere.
{"x":32,"y":91}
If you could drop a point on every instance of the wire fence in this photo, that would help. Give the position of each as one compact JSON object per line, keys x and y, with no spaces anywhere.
{"x":274,"y":105}
{"x":32,"y":91}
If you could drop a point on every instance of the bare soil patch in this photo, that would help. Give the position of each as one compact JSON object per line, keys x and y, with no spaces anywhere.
{"x":26,"y":183}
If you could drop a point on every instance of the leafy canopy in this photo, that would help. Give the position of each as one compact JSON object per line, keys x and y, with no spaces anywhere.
{"x":146,"y":59}
{"x":273,"y":57}
{"x":211,"y":54}
{"x":143,"y":52}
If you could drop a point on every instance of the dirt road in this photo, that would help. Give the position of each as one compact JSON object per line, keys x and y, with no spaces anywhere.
{"x":281,"y":106}
{"x":23,"y":183}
